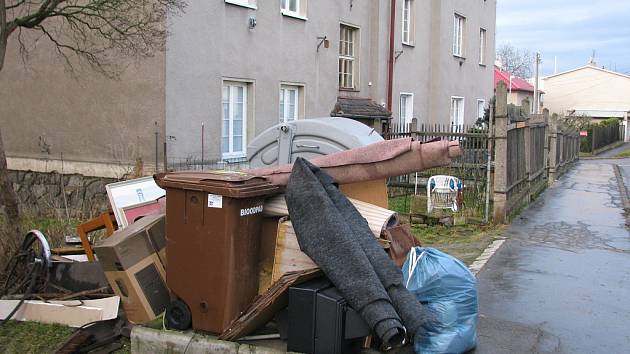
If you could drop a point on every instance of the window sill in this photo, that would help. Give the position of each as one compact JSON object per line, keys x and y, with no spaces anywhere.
{"x":233,"y":156}
{"x":410,"y":44}
{"x":293,"y":14}
{"x":239,"y":3}
{"x":348,"y":89}
{"x":459,"y":57}
{"x":482,"y":65}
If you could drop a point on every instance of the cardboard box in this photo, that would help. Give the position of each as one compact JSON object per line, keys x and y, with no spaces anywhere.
{"x":133,"y":260}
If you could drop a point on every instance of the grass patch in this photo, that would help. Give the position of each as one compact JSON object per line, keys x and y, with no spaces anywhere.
{"x":464,"y":242}
{"x":625,"y":153}
{"x":33,"y":337}
{"x":55,"y":229}
{"x":417,"y":205}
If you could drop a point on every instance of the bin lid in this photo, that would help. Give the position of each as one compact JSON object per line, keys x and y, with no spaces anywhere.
{"x":233,"y":184}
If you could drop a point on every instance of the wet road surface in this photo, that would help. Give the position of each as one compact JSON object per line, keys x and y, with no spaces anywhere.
{"x":561,"y":282}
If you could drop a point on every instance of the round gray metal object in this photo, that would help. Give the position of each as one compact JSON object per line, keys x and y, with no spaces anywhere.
{"x":308,"y":138}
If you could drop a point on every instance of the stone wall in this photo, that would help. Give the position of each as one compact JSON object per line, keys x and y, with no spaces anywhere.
{"x":42,"y":194}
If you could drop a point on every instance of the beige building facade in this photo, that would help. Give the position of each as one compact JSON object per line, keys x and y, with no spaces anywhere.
{"x":79,"y":122}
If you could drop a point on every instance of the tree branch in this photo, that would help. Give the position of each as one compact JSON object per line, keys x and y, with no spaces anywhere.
{"x":16,"y":5}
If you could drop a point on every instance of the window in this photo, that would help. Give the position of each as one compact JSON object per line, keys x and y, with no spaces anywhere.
{"x":457,"y":110}
{"x":246,"y":3}
{"x":348,"y":38}
{"x":294,"y":8}
{"x":481,"y":108}
{"x":458,"y":35}
{"x":482,"y":46}
{"x":407,"y":22}
{"x":406,"y":108}
{"x":234,"y":129}
{"x":289,"y":99}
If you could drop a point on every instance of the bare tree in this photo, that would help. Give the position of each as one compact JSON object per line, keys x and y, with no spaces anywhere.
{"x":98,"y":33}
{"x":518,"y":62}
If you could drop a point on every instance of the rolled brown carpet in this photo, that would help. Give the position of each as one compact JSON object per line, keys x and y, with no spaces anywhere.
{"x":375,"y":161}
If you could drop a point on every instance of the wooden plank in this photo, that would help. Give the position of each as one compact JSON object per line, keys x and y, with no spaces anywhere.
{"x":288,"y":256}
{"x":267,"y":252}
{"x":373,"y":192}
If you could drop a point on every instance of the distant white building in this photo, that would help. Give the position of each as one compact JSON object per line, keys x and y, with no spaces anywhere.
{"x":588,"y":91}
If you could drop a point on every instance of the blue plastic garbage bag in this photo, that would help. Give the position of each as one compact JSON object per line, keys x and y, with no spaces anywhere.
{"x":447,"y":289}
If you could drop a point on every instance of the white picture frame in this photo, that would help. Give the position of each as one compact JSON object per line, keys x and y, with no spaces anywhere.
{"x":131,"y":192}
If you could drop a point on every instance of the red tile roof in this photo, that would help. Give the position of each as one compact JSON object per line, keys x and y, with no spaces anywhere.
{"x":518,"y":84}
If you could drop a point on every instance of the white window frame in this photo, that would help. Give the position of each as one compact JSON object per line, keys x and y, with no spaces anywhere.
{"x":349,"y":55}
{"x":481,"y":112}
{"x":231,"y":153}
{"x":459,"y":24}
{"x":300,"y":8}
{"x":407,"y":19}
{"x":483,"y":35}
{"x":250,"y":4}
{"x":405,"y":112}
{"x":283,"y":107}
{"x":459,"y":118}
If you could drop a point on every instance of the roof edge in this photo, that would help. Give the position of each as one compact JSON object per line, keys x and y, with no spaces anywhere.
{"x":587,"y":67}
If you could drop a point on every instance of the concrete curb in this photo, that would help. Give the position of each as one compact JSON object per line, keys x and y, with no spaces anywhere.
{"x":153,"y":341}
{"x":602,"y":158}
{"x":485,"y":256}
{"x":625,"y":199}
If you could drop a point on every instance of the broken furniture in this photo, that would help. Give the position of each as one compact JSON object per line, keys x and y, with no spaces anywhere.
{"x":265,"y":306}
{"x":133,"y":260}
{"x":321,"y":322}
{"x":214,"y":226}
{"x":443,"y":192}
{"x":28,"y":275}
{"x":105,"y":221}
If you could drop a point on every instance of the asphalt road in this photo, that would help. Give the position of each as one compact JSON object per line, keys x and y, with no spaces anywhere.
{"x":561,"y":283}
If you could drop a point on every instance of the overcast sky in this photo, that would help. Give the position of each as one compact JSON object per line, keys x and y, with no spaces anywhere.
{"x":569,"y":30}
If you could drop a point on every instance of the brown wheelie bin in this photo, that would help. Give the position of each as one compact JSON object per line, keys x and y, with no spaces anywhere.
{"x":213,"y":225}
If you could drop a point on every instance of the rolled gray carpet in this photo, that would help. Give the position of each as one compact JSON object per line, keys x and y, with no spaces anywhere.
{"x":326,"y":236}
{"x":413,"y":314}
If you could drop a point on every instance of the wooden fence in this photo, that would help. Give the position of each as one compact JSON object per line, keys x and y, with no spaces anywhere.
{"x":531,"y":150}
{"x":603,"y":136}
{"x":471,"y":168}
{"x":564,"y":147}
{"x":528,"y":151}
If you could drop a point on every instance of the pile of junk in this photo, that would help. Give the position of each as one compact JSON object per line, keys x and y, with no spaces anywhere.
{"x":300,"y":247}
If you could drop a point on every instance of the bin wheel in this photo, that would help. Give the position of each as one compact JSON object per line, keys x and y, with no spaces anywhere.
{"x":178,"y":315}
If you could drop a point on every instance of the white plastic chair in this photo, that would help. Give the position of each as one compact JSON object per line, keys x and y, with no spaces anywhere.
{"x":442,"y":192}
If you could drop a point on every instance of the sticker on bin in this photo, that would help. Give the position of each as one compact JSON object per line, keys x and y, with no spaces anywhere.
{"x":215,"y":201}
{"x":252,"y":210}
